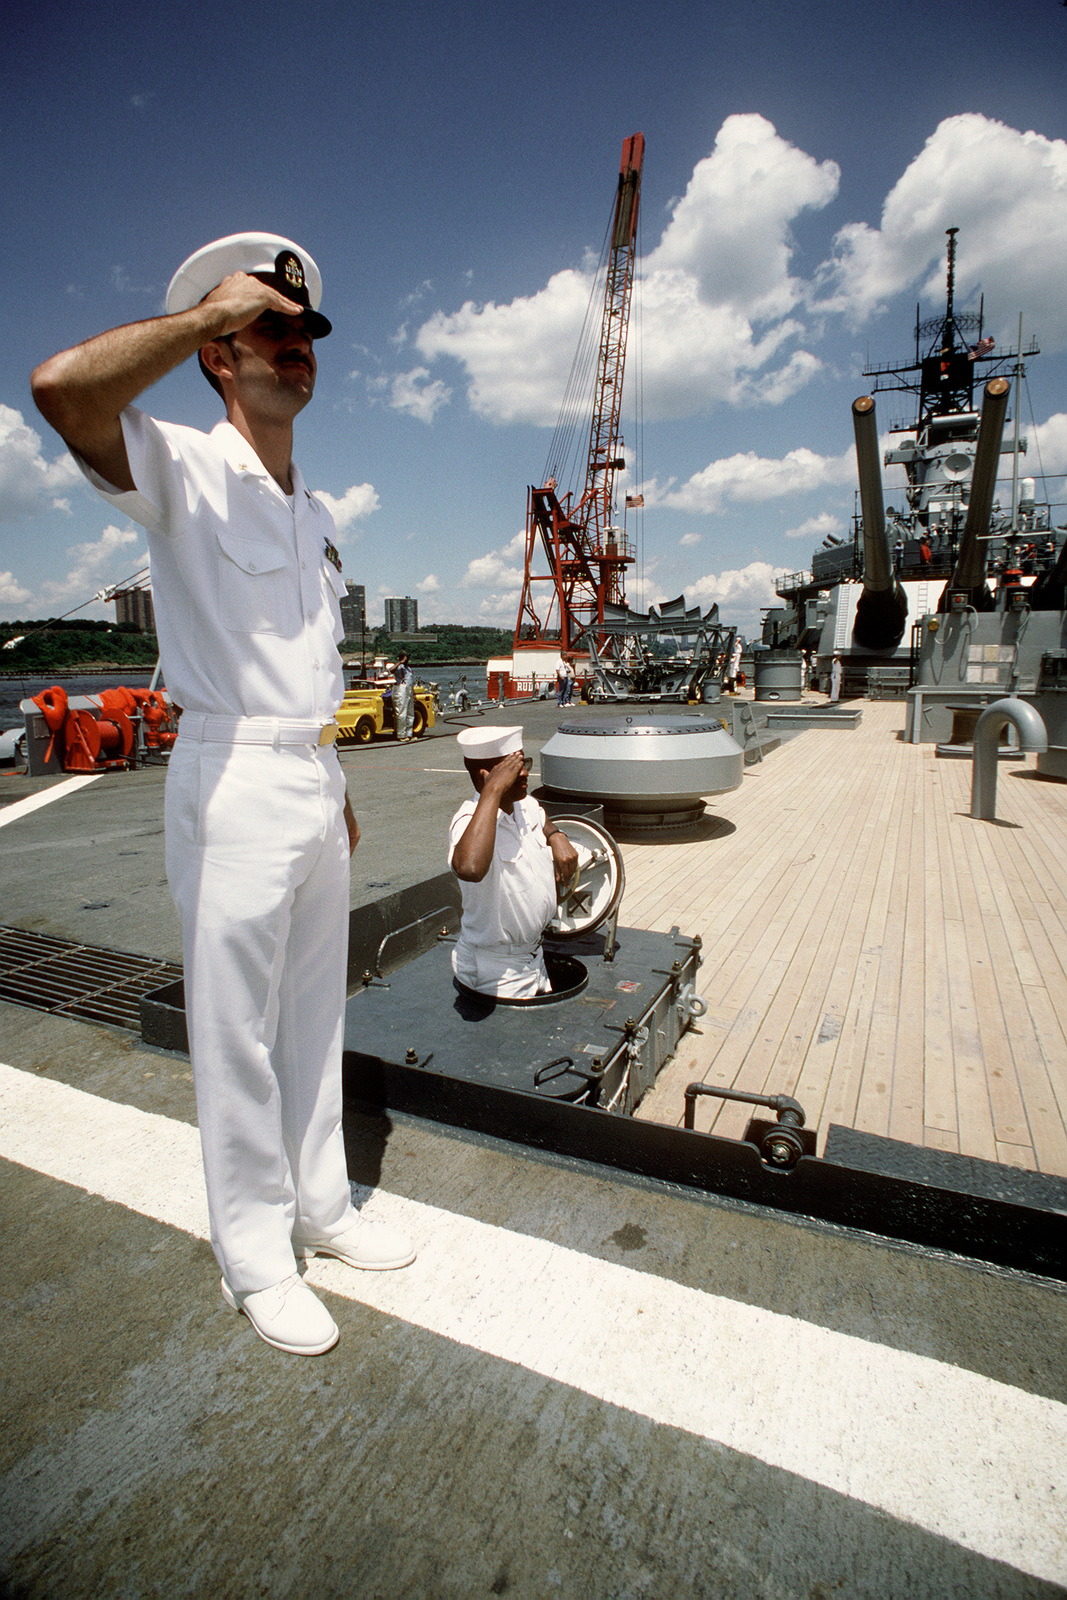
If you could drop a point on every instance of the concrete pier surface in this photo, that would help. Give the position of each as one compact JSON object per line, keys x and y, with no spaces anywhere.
{"x":586,"y":1385}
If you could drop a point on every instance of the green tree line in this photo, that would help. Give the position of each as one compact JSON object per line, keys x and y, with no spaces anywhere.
{"x":64,"y":644}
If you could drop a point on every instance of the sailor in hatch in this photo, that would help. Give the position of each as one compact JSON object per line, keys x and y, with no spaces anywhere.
{"x":258,"y":825}
{"x":509,"y":858}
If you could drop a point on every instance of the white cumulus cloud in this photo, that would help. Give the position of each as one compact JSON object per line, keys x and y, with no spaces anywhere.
{"x":358,"y":501}
{"x":715,"y":297}
{"x":419,"y":395}
{"x":29,"y":482}
{"x":498,"y":569}
{"x":1005,"y":190}
{"x":691,"y":538}
{"x":1046,"y":451}
{"x":819,"y":527}
{"x":739,"y":592}
{"x":498,"y":575}
{"x":749,"y":478}
{"x":724,"y":316}
{"x":516,"y":356}
{"x":429,"y":585}
{"x":730,"y":230}
{"x":12,"y":592}
{"x":96,"y":565}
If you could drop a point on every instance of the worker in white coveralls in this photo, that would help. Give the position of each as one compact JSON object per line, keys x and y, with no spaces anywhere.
{"x":509,"y":859}
{"x":259,"y":829}
{"x":403,"y":698}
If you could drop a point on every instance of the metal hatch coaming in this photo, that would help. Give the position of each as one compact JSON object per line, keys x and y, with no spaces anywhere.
{"x":603,"y":1046}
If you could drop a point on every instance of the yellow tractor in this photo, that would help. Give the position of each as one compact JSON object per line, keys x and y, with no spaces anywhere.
{"x":366,"y":712}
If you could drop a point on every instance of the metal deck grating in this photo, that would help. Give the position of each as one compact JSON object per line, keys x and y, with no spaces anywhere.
{"x":69,"y":979}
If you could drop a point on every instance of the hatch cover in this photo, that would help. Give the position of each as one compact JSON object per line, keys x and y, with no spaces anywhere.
{"x":78,"y":980}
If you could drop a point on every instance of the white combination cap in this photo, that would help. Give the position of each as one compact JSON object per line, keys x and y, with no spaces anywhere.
{"x":267,"y":256}
{"x":485,"y":744}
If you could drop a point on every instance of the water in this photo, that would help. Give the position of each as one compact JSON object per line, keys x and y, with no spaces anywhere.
{"x":447,"y":675}
{"x":12,"y":690}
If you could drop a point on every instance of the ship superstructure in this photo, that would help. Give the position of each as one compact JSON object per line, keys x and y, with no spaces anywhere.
{"x":922,"y":531}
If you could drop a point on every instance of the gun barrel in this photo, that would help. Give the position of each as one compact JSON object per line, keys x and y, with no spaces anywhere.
{"x":970,"y":570}
{"x":877,"y":567}
{"x":882,"y":609}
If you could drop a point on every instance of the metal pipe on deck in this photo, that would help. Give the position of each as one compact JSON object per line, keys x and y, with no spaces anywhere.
{"x":882,"y":609}
{"x":969,"y":573}
{"x":1029,"y":724}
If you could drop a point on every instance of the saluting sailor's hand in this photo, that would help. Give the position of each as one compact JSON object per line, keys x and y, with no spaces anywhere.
{"x":505,"y":775}
{"x":244,"y":298}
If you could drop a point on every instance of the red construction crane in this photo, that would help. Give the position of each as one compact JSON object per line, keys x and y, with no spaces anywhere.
{"x":586,"y":555}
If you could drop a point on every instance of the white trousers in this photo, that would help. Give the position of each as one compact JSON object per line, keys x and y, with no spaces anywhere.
{"x":510,"y":972}
{"x":257,"y":862}
{"x":404,"y":706}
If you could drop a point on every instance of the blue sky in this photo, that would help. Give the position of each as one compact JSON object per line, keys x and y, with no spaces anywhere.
{"x":451,"y":168}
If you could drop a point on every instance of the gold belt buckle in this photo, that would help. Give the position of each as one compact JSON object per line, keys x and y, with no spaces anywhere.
{"x":329,"y":734}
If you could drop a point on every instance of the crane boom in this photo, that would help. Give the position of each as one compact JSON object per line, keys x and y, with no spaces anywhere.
{"x":586,"y":555}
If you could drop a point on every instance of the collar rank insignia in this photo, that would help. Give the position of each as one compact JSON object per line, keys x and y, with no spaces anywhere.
{"x":331,"y":554}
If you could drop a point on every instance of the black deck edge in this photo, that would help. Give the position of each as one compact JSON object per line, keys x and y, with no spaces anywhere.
{"x":945,"y":1169}
{"x":1014,"y":1233}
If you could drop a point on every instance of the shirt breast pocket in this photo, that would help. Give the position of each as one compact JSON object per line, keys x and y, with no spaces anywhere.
{"x":258,"y":592}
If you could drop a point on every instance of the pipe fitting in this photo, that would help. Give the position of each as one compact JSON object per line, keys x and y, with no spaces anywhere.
{"x":1030,"y":726}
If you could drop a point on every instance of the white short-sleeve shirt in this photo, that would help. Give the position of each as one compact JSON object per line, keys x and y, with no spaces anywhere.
{"x":516,"y":899}
{"x":246,"y":597}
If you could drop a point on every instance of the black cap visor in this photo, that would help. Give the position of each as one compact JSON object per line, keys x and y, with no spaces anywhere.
{"x":316,"y":324}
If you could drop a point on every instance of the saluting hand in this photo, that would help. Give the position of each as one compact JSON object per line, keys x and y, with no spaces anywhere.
{"x":245,"y":298}
{"x":504,"y":775}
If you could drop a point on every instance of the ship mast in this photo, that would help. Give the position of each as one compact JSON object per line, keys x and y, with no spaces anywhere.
{"x":957,"y":354}
{"x":574,"y":553}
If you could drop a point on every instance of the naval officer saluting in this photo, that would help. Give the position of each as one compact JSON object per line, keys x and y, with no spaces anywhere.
{"x":509,"y":858}
{"x":259,"y":828}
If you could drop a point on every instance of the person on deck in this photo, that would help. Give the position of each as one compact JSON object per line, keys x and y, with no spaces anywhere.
{"x":509,"y":859}
{"x":734,"y":666}
{"x":404,"y":698}
{"x":259,"y":829}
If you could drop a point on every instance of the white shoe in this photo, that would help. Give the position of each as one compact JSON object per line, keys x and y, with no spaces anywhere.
{"x":375,"y":1246}
{"x":287,"y":1316}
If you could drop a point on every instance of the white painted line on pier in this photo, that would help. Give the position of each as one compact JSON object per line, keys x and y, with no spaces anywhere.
{"x":44,"y":797}
{"x":974,"y":1461}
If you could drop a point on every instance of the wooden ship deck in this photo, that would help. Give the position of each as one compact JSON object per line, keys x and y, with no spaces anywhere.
{"x":894,"y":964}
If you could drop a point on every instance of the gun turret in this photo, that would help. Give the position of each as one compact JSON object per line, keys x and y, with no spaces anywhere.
{"x":882,"y":608}
{"x":969,"y":573}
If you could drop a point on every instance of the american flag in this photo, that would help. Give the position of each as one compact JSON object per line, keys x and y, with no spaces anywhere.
{"x":633,"y":501}
{"x":982,"y":348}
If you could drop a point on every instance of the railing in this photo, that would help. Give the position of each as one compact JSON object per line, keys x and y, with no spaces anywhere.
{"x":789,"y":582}
{"x":615,"y":547}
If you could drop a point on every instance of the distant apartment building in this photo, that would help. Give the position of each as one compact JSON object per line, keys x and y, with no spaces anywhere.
{"x":402,"y":616}
{"x":135,"y":605}
{"x":354,"y":609}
